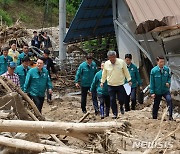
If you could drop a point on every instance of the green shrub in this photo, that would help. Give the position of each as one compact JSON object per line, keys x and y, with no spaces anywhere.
{"x":5,"y":17}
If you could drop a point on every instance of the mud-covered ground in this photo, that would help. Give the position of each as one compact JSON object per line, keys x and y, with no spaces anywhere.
{"x":142,"y":132}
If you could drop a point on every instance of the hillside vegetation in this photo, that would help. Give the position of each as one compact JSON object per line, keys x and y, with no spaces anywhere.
{"x":35,"y":13}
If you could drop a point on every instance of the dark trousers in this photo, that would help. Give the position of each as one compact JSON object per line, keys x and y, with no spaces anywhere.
{"x":132,"y":96}
{"x":49,"y":96}
{"x":104,"y":102}
{"x":118,"y":91}
{"x":38,"y":101}
{"x":84,"y":91}
{"x":157,"y":101}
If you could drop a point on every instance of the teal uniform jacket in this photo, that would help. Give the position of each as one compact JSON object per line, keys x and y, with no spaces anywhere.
{"x":85,"y":74}
{"x":158,"y":80}
{"x":20,"y":57}
{"x":37,"y":82}
{"x":21,"y":72}
{"x":4,"y":63}
{"x":135,"y":76}
{"x":96,"y":84}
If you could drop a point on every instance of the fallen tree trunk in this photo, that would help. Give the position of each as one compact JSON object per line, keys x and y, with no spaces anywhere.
{"x":77,"y":130}
{"x":37,"y":147}
{"x":81,"y":120}
{"x":52,"y":135}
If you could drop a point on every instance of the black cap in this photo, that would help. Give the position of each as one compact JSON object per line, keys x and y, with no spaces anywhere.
{"x":128,"y":56}
{"x":46,"y":51}
{"x":34,"y":32}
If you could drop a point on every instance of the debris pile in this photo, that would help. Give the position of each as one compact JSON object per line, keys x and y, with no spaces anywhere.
{"x":16,"y":133}
{"x":15,"y":33}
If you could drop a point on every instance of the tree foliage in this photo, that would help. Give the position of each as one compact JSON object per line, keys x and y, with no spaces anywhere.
{"x":51,"y":9}
{"x":71,"y":6}
{"x":5,"y":17}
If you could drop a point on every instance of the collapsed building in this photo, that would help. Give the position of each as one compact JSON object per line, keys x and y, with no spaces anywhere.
{"x":146,"y":29}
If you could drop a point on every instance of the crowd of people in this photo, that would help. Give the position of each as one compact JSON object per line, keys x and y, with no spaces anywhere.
{"x":41,"y":40}
{"x":33,"y":77}
{"x":108,"y":85}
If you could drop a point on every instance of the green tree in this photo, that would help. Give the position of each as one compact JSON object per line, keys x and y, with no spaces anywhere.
{"x":71,"y":9}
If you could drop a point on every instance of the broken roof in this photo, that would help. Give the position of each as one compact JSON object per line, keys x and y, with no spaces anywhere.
{"x":149,"y":14}
{"x":93,"y":19}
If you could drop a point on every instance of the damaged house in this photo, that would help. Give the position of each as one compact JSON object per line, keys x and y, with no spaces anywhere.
{"x":145,"y":29}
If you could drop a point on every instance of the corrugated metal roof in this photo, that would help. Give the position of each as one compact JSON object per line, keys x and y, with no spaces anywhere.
{"x":167,"y":12}
{"x":144,"y":10}
{"x":93,"y":19}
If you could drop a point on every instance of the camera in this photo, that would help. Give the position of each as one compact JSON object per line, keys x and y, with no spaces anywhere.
{"x":40,"y":35}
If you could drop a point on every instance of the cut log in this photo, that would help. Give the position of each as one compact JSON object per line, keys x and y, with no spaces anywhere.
{"x":37,"y":147}
{"x":52,"y":135}
{"x":77,"y":130}
{"x":25,"y":97}
{"x":81,"y":120}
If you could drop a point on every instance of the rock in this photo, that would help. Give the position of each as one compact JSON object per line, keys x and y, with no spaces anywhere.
{"x":54,"y":108}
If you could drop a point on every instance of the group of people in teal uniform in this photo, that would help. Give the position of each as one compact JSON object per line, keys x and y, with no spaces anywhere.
{"x":106,"y":85}
{"x":33,"y":81}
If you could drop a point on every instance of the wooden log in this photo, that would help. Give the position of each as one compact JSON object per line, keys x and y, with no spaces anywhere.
{"x":25,"y":97}
{"x":77,"y":130}
{"x":37,"y":147}
{"x":80,"y":120}
{"x":5,"y":85}
{"x":52,"y":135}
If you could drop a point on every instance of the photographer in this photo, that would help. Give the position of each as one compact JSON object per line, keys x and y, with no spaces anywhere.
{"x":36,"y":40}
{"x":46,"y":40}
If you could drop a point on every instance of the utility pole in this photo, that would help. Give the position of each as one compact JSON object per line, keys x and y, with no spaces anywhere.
{"x":62,"y":29}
